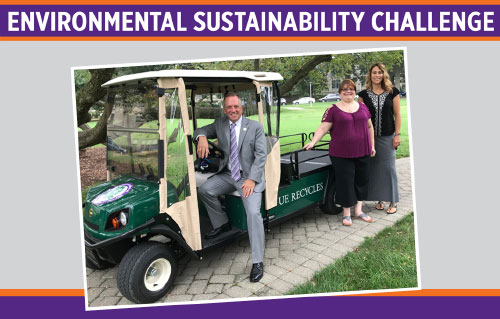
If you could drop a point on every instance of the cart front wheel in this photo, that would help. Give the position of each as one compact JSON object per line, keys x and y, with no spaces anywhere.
{"x":147,"y":272}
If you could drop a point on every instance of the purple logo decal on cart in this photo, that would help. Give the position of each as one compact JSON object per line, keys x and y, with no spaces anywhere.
{"x":113,"y":194}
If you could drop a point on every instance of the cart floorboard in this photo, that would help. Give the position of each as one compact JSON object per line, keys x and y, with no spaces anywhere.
{"x":206,"y":227}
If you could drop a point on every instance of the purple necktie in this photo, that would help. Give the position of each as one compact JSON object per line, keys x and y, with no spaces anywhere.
{"x":233,"y":158}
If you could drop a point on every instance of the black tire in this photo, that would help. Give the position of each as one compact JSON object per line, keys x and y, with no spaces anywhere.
{"x":329,"y":207}
{"x":137,"y":263}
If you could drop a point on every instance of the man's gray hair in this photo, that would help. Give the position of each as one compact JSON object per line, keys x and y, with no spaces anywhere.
{"x":231,"y":93}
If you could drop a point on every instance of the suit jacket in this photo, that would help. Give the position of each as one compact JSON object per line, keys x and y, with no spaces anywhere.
{"x":252,"y":150}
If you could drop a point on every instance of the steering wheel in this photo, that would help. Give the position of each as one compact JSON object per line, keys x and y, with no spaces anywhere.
{"x":202,"y":164}
{"x":215,"y":152}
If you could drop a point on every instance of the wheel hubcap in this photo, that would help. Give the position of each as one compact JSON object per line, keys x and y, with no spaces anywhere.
{"x":153,"y":272}
{"x":157,"y":274}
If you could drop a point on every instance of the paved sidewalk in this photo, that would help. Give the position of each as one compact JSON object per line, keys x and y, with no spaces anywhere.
{"x":294,"y":251}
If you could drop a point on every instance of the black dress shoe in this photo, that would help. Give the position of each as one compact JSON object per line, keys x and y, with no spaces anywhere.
{"x":257,"y":272}
{"x":217,"y":231}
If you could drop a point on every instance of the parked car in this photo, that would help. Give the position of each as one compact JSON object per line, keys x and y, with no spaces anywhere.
{"x":330,"y":97}
{"x":304,"y":100}
{"x":282,"y":101}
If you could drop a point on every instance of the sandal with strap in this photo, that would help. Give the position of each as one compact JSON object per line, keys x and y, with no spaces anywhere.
{"x":346,"y":221}
{"x":364,"y":218}
{"x":380,"y":205}
{"x":391,"y":206}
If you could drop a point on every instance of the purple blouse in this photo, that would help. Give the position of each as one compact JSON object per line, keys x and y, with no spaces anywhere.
{"x":349,"y":132}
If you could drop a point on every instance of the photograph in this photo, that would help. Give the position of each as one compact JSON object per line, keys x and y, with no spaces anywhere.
{"x":262,"y":158}
{"x":246,"y":178}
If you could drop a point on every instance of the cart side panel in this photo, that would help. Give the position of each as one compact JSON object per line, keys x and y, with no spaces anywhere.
{"x":236,"y":211}
{"x":273,"y":163}
{"x":179,"y":168}
{"x":292,"y":198}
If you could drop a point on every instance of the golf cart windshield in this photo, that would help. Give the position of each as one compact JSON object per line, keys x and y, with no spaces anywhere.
{"x":132,"y":133}
{"x":208,"y":105}
{"x":150,"y":132}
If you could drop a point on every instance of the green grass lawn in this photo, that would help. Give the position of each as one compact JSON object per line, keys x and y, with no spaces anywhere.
{"x":294,"y":119}
{"x":386,"y":261}
{"x":404,"y":149}
{"x":304,"y":118}
{"x":308,"y":118}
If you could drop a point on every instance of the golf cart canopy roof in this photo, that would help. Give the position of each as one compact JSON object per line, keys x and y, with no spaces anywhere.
{"x":196,"y":76}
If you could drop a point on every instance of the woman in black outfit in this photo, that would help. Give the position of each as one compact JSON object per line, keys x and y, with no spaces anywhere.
{"x":383,"y":101}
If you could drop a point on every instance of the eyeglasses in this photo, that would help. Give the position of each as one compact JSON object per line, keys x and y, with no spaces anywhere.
{"x":348,"y":89}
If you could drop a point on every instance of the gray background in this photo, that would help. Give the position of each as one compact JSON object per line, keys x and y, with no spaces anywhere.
{"x":452,"y":89}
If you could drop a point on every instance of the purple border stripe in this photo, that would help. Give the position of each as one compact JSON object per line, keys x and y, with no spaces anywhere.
{"x":326,"y":307}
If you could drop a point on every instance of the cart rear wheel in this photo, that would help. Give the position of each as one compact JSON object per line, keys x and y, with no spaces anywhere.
{"x":147,"y":272}
{"x":329,"y":207}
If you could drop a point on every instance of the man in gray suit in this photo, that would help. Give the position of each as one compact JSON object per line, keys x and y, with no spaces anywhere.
{"x":244,"y":144}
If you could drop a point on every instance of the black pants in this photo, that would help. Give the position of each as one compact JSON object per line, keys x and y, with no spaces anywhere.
{"x":351,"y":179}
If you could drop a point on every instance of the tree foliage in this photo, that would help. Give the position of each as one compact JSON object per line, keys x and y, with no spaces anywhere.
{"x":90,"y":94}
{"x":81,"y":78}
{"x":355,"y":66}
{"x":300,"y":73}
{"x":297,"y":71}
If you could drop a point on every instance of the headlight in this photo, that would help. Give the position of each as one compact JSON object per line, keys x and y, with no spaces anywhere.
{"x":117,"y":220}
{"x":123,"y":219}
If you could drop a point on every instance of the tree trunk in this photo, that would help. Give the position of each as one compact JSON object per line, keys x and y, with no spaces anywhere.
{"x":329,"y":81}
{"x":302,"y":72}
{"x":91,"y":93}
{"x":98,"y":133}
{"x":256,"y":64}
{"x":397,"y":76}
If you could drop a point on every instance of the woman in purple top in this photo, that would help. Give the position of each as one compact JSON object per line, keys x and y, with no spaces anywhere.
{"x":351,"y":145}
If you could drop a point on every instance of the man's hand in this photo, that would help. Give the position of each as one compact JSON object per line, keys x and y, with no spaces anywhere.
{"x":248,"y":187}
{"x":202,"y":149}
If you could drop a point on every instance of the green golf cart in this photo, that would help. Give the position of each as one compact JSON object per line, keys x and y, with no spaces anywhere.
{"x":147,"y":214}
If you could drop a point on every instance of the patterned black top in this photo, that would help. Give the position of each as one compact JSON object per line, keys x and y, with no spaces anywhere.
{"x":382,"y":110}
